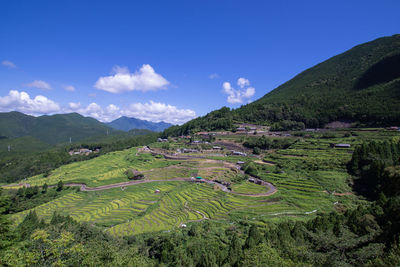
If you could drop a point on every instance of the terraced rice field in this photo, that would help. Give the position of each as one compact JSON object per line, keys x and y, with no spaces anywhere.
{"x":304,"y":175}
{"x":107,"y":169}
{"x":138,"y":209}
{"x":249,"y":188}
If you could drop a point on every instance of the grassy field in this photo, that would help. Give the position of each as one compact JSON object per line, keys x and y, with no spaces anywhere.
{"x":107,"y":169}
{"x":307,"y":175}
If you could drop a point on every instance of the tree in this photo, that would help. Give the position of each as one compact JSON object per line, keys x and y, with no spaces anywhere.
{"x":235,"y":250}
{"x":44,"y":188}
{"x":256,"y":151}
{"x":6,"y":234}
{"x":254,"y":237}
{"x":60,"y":185}
{"x":263,"y":255}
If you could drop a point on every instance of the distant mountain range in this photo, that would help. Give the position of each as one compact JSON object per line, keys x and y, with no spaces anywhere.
{"x":126,"y":124}
{"x":361,"y":85}
{"x":25,"y":132}
{"x":54,"y":129}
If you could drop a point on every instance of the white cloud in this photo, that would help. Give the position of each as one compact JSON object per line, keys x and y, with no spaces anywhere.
{"x":242,"y":82}
{"x":21,"y":101}
{"x":69,"y":88}
{"x":39,"y":84}
{"x":213,"y":76}
{"x":39,"y":105}
{"x":238,"y":96}
{"x":8,"y":64}
{"x":156,"y":112}
{"x":145,"y":79}
{"x":151,"y":111}
{"x":74,"y":106}
{"x":94,"y":110}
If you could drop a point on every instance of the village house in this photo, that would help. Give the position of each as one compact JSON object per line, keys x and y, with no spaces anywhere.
{"x":238,"y":153}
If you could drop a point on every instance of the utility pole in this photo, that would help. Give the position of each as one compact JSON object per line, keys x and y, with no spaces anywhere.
{"x":9,"y":148}
{"x":107,"y":131}
{"x":70,"y":140}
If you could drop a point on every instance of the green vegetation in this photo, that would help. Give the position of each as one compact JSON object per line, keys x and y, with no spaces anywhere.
{"x":53,"y":129}
{"x":361,"y":86}
{"x":16,"y":165}
{"x":28,"y":198}
{"x":314,"y":218}
{"x":268,"y":143}
{"x":248,"y":188}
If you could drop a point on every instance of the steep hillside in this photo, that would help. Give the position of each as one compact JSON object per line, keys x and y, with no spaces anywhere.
{"x":361,"y":85}
{"x":15,"y":124}
{"x":126,"y":124}
{"x":52,"y":129}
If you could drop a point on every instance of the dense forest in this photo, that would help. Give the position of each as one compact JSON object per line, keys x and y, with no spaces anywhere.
{"x":367,"y":235}
{"x":361,"y":86}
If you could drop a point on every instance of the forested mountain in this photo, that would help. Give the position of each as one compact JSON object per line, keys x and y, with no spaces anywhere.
{"x":361,"y":85}
{"x":52,"y":129}
{"x":125,"y":124}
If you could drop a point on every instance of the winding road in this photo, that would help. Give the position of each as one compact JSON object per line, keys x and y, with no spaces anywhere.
{"x":83,"y":187}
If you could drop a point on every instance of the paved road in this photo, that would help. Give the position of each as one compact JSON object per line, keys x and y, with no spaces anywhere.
{"x":83,"y":187}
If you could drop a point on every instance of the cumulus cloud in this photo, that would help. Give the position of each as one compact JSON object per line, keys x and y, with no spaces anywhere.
{"x":21,"y":101}
{"x":151,"y":111}
{"x":69,"y":88}
{"x":39,"y":105}
{"x":238,"y":96}
{"x":156,"y":112}
{"x":94,"y":110}
{"x":39,"y":84}
{"x":8,"y":64}
{"x":243,"y":82}
{"x":74,"y":106}
{"x":121,"y":80}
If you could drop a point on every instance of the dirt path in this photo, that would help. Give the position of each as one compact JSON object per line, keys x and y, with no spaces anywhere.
{"x":84,"y":187}
{"x":199,"y":212}
{"x":339,"y":194}
{"x":263,"y":162}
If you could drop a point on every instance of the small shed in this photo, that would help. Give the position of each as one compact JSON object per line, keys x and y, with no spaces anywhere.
{"x":342,"y":145}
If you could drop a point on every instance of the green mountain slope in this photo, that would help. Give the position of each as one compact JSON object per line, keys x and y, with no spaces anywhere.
{"x":360,"y":85}
{"x":52,"y":129}
{"x":15,"y":124}
{"x":23,"y":144}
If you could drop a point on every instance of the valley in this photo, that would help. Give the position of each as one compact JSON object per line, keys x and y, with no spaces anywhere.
{"x":296,"y":182}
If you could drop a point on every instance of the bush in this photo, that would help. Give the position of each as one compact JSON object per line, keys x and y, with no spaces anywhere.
{"x":133,"y":174}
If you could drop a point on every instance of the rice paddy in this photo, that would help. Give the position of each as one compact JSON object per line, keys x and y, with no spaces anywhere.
{"x":307,"y":175}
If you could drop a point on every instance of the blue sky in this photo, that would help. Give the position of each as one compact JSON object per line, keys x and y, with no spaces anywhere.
{"x":170,"y":60}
